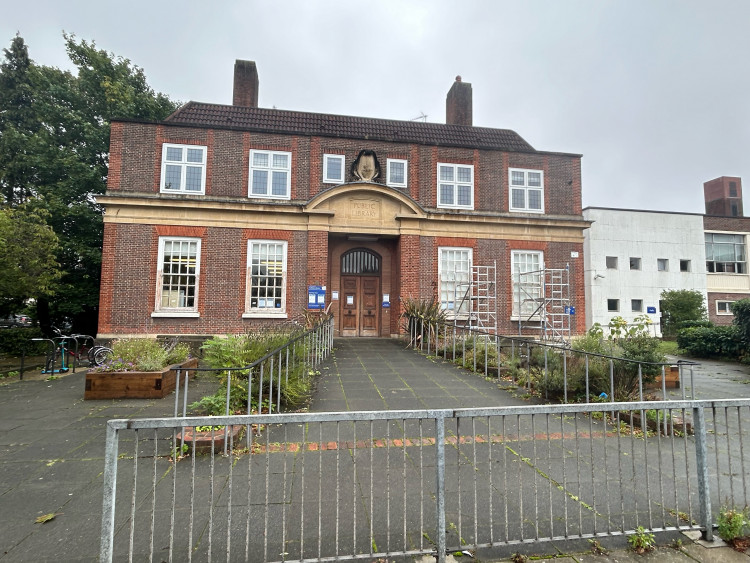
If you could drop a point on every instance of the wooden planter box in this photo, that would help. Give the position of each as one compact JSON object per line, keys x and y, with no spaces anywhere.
{"x":134,"y":384}
{"x":671,"y":379}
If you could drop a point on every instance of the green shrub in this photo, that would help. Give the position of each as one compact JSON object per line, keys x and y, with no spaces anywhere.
{"x":17,"y":341}
{"x":710,"y":342}
{"x":741,"y":311}
{"x":678,"y":306}
{"x":143,"y":354}
{"x":732,"y":523}
{"x":420,"y":316}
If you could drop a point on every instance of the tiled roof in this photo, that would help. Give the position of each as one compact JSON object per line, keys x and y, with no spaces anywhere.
{"x":197,"y":114}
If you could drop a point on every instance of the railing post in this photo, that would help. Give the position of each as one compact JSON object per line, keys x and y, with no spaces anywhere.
{"x":701,"y":458}
{"x":110,"y":486}
{"x":440,"y":485}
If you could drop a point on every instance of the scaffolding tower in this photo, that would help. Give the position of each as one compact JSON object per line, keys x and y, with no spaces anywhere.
{"x":542,"y":303}
{"x":476,"y":299}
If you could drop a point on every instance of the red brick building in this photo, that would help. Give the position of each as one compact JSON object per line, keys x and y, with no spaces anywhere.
{"x":726,"y":231}
{"x":222,"y":218}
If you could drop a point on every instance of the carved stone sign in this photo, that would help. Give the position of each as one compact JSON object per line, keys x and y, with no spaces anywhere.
{"x":367,"y":209}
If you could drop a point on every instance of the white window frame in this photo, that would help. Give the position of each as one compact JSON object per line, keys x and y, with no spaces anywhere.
{"x":168,"y":310}
{"x":456,"y":185}
{"x":327,"y":179}
{"x":184,"y":165}
{"x":728,"y":312}
{"x":451,"y":282}
{"x":736,"y":266}
{"x":265,"y":311}
{"x":526,"y":188}
{"x":389,"y":178}
{"x":526,"y":307}
{"x":270,"y":169}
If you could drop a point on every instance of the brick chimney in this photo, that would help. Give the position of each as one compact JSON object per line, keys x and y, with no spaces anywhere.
{"x":723,"y":196}
{"x":458,"y":104}
{"x":245,"y":84}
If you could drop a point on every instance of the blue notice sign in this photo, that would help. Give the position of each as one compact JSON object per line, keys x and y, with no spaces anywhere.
{"x":316,"y":297}
{"x":651,"y":310}
{"x":570,"y":310}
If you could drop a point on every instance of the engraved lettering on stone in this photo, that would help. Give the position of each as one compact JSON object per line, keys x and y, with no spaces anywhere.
{"x":365,"y":209}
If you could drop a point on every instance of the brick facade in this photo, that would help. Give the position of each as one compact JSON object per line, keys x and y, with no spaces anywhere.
{"x":405,"y":226}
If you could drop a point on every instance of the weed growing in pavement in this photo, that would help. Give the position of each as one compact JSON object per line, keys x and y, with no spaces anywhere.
{"x":641,"y":541}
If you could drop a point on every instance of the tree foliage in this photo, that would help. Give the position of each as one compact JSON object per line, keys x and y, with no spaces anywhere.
{"x":54,"y":144}
{"x":679,"y":306}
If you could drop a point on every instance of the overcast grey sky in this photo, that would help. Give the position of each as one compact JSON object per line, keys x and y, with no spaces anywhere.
{"x":654,"y":93}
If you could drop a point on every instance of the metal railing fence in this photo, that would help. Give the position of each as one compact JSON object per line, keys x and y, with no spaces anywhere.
{"x":264,"y":379}
{"x":555,"y":369}
{"x":365,"y":485}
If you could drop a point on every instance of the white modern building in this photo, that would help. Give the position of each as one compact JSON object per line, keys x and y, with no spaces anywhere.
{"x":631,"y":256}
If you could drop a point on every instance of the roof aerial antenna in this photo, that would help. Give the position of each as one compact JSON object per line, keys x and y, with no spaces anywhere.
{"x":420,"y":117}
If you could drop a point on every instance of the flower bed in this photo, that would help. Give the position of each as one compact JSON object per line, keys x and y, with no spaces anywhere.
{"x":134,"y":384}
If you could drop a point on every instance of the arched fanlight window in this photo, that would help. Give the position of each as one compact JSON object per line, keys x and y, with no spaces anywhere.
{"x":360,"y":261}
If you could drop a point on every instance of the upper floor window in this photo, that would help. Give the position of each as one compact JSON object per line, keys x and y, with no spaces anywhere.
{"x":266,"y":278}
{"x":662,"y":264}
{"x":270,"y":174}
{"x":183,"y":169}
{"x":725,"y":253}
{"x":611,"y":262}
{"x":635,"y":263}
{"x":333,"y":168}
{"x":684,"y":265}
{"x":526,"y":190}
{"x":396,"y":173}
{"x":455,"y":186}
{"x":177,"y":276}
{"x":454,"y":271}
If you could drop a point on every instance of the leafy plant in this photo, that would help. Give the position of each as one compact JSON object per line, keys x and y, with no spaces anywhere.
{"x":143,"y":354}
{"x":421,"y":317}
{"x":732,"y":524}
{"x":678,"y":306}
{"x":641,"y":541}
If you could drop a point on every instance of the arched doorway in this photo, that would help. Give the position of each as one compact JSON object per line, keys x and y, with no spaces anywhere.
{"x":360,"y":288}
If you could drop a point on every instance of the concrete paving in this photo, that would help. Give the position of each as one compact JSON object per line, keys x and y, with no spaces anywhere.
{"x":52,"y":446}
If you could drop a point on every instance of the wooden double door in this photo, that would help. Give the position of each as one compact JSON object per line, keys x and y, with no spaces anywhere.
{"x":360,"y":311}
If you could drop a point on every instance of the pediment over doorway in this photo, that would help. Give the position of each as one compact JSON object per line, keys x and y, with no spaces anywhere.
{"x":364,"y":207}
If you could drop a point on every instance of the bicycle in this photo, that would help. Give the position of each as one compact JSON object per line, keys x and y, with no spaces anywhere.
{"x":86,"y":346}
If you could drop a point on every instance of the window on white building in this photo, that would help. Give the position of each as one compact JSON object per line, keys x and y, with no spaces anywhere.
{"x":270,"y":174}
{"x":724,"y":307}
{"x":266,"y":278}
{"x":526,"y":190}
{"x":613,"y":305}
{"x":611,"y":262}
{"x":454,"y":272}
{"x":183,"y":169}
{"x":684,"y":265}
{"x":333,"y":169}
{"x":177,"y":276}
{"x":725,"y":253}
{"x":455,"y":186}
{"x":635,"y":263}
{"x":396,"y":173}
{"x":636,"y":305}
{"x":662,"y":264}
{"x":527,"y":281}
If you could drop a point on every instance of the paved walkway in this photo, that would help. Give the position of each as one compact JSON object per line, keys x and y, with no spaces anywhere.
{"x":52,"y":443}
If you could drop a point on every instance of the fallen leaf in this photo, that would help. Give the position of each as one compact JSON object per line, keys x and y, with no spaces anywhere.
{"x":47,"y":517}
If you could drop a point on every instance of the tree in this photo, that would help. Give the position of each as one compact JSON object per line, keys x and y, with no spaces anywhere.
{"x":27,"y":264}
{"x":54,"y":145}
{"x":678,"y":306}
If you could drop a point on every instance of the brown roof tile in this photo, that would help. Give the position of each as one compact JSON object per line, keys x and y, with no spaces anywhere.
{"x":198,"y":114}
